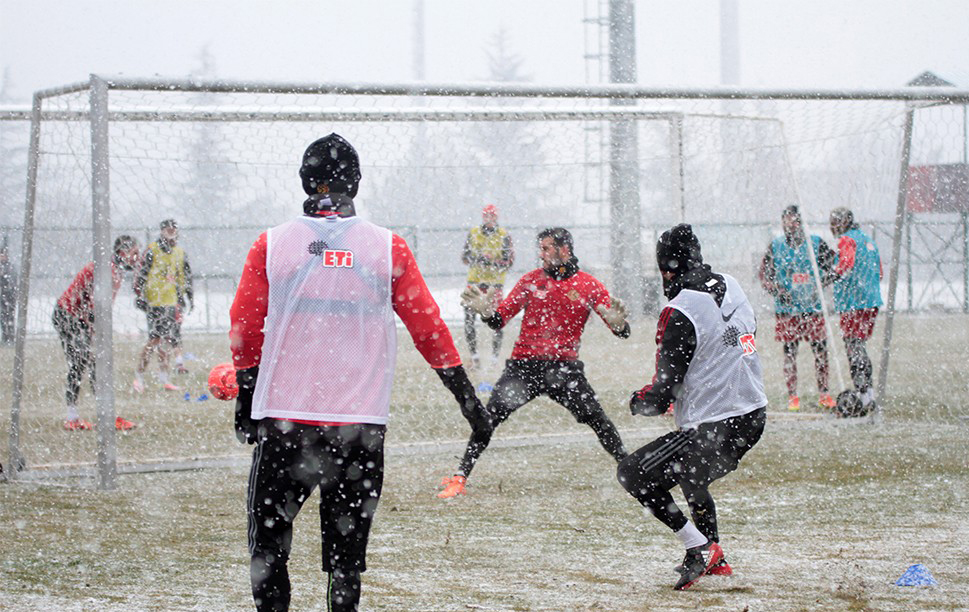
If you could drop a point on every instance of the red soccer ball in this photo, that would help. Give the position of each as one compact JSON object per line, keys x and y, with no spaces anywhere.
{"x":222,"y":382}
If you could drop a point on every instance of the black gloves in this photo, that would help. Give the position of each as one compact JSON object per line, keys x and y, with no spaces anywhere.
{"x":141,"y":303}
{"x":246,"y":428}
{"x":644,"y":404}
{"x":457,"y":382}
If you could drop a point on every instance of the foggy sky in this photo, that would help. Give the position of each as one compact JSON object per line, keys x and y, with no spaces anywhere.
{"x":821,"y":43}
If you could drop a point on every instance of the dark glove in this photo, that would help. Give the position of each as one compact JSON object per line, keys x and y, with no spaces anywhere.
{"x":141,"y":304}
{"x":456,"y":381}
{"x":246,"y":428}
{"x":645,"y":404}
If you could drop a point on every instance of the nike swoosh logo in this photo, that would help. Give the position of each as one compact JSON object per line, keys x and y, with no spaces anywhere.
{"x":726,"y":318}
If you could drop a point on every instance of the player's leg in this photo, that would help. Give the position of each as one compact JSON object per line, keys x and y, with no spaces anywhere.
{"x":518,"y":385}
{"x":496,"y":297}
{"x":68,"y":331}
{"x":153,"y":317}
{"x":274,"y":499}
{"x":821,"y":372}
{"x":352,"y":471}
{"x":567,"y":385}
{"x":790,"y":374}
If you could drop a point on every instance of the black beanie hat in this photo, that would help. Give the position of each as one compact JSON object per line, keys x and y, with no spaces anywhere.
{"x":330,"y":165}
{"x":678,"y":250}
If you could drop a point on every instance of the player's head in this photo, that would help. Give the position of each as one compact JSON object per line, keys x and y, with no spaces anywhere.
{"x":791,"y":220}
{"x":678,"y":250}
{"x":554,"y":247}
{"x":169,"y":230}
{"x":489,"y":216}
{"x":842,"y":220}
{"x":330,"y":165}
{"x":125,"y":251}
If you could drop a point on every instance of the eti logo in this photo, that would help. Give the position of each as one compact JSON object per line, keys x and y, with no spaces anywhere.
{"x":800,"y":278}
{"x":332,"y":258}
{"x":747,"y":344}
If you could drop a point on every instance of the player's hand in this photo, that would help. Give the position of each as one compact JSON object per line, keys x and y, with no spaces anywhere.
{"x":479,"y":301}
{"x":614,"y":315}
{"x":644,"y":404}
{"x":457,"y":382}
{"x":247,"y":430}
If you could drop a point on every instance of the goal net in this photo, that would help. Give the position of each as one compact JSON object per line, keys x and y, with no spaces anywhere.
{"x":117,"y":157}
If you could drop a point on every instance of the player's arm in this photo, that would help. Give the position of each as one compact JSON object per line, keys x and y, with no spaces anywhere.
{"x":188,"y":292}
{"x":846,"y":255}
{"x":675,"y":346}
{"x":415,"y":306}
{"x":827,"y":259}
{"x":612,"y":311}
{"x":767,"y":273}
{"x":247,"y":316}
{"x":507,"y":253}
{"x":508,"y":308}
{"x":141,"y":279}
{"x":467,"y":254}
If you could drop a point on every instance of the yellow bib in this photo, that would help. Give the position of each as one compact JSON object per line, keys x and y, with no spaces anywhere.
{"x":166,"y":277}
{"x":482,"y":243}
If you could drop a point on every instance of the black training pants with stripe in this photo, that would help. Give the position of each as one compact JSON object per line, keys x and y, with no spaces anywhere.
{"x":692,"y":459}
{"x":289,"y":461}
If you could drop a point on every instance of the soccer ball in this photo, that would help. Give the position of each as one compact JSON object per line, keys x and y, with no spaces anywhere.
{"x":849,"y":404}
{"x":222,"y":382}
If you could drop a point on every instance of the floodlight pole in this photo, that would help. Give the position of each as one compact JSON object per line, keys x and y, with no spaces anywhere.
{"x":107,"y":468}
{"x":624,"y":212}
{"x":900,"y":216}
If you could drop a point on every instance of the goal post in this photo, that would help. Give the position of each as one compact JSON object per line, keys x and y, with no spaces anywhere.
{"x":118,"y":155}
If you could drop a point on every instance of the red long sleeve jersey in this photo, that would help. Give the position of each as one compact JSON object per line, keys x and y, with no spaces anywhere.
{"x":412,"y":299}
{"x":556,"y":312}
{"x":78,"y":299}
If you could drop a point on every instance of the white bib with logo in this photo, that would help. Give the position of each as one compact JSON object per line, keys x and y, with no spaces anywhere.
{"x":724,"y":379}
{"x":330,"y":344}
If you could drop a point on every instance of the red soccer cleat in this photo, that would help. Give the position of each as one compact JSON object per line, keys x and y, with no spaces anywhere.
{"x":698,"y":563}
{"x":171,"y":387}
{"x":123,"y":424}
{"x":453,"y":486}
{"x":77,"y":425}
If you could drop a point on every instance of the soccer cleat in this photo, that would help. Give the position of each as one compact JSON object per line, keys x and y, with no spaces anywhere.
{"x":77,"y":425}
{"x":698,"y":562}
{"x":138,"y":386}
{"x":826,"y":402}
{"x":171,"y":387}
{"x":123,"y":424}
{"x":720,"y":569}
{"x":181,"y":370}
{"x":453,"y":486}
{"x":793,"y":403}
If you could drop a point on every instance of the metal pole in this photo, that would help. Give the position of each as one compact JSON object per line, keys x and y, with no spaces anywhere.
{"x":908,"y":260}
{"x":107,"y":469}
{"x":624,"y":212}
{"x":679,"y":184}
{"x":17,"y":461}
{"x":965,"y":262}
{"x":896,"y":253}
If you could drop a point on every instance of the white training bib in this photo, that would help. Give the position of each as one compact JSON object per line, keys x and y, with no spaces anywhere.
{"x":725,"y":378}
{"x":330,"y":344}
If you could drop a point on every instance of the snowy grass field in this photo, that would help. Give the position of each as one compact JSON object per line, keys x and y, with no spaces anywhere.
{"x":823,"y":513}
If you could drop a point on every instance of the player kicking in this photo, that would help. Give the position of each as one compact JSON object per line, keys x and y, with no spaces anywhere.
{"x":557,"y":299}
{"x":707,"y":363}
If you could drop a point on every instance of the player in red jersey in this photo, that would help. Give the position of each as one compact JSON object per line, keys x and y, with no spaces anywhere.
{"x":73,"y":319}
{"x":314,"y":345}
{"x":557,"y":299}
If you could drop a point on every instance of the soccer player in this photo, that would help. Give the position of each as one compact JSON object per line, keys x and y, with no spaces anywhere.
{"x":557,"y":299}
{"x":857,"y":297}
{"x":163,"y":286}
{"x":707,"y":364}
{"x":786,"y":273}
{"x":8,"y":295}
{"x":73,"y":319}
{"x":488,"y":253}
{"x":314,"y":343}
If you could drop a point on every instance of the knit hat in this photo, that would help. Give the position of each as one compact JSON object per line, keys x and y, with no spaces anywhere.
{"x":678,"y":250}
{"x":330,"y":165}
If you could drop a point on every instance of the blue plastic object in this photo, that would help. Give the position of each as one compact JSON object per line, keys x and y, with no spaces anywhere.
{"x":188,"y":397}
{"x":916,"y":575}
{"x":202,"y":398}
{"x":485,"y":387}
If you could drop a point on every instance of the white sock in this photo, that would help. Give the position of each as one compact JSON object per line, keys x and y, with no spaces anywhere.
{"x":691,"y":536}
{"x":163,"y":378}
{"x":72,"y":414}
{"x":139,"y":377}
{"x":179,"y":360}
{"x":868,"y":396}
